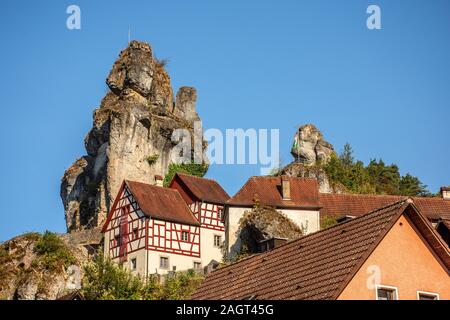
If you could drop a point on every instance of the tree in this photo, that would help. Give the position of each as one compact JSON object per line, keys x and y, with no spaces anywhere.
{"x":375,"y":178}
{"x":346,"y":155}
{"x":411,"y":186}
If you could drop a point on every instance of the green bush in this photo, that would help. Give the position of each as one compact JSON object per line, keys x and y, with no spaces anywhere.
{"x":105,"y":280}
{"x":180,"y":285}
{"x":327,"y":222}
{"x":193,"y":169}
{"x":152,"y":159}
{"x":52,"y":252}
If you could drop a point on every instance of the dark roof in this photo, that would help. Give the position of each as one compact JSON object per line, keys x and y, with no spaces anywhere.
{"x":358,"y":204}
{"x":445,"y":188}
{"x":161,"y":203}
{"x":203,"y":189}
{"x":304,"y":192}
{"x":316,"y":266}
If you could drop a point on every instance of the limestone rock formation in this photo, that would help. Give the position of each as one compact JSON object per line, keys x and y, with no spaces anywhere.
{"x":130,"y":138}
{"x":22,"y":278}
{"x":310,"y":147}
{"x":311,"y":152}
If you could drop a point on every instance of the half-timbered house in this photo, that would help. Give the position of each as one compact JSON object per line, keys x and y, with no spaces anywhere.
{"x":206,"y":199}
{"x":151,"y":230}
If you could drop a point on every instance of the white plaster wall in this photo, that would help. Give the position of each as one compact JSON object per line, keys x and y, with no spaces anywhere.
{"x":182,"y":262}
{"x":208,"y":251}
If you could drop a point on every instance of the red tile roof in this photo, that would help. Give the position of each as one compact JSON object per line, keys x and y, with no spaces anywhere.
{"x":433,"y":208}
{"x":161,"y":203}
{"x":203,"y":189}
{"x":317,"y":266}
{"x":358,"y":204}
{"x":304,"y":192}
{"x":353,"y":204}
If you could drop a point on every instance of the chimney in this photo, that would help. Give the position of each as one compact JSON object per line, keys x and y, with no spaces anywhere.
{"x":445,"y":193}
{"x":159,"y":180}
{"x":285,"y":188}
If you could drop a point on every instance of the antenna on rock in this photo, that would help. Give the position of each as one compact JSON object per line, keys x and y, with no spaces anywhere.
{"x":129,"y":35}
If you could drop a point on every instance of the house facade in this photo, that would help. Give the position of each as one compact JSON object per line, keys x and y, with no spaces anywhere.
{"x":206,"y":199}
{"x":152,"y":229}
{"x":388,"y":254}
{"x":296,"y":198}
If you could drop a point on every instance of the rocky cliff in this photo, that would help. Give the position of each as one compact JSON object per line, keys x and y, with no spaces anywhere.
{"x":130,"y":138}
{"x":29,"y":274}
{"x":311,"y":151}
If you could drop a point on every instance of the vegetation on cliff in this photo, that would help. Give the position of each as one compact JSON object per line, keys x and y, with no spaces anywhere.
{"x":375,"y":178}
{"x":193,"y":169}
{"x":263,"y":222}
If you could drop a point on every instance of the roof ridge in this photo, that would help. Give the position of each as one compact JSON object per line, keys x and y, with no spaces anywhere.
{"x":361,"y":195}
{"x":193,"y":176}
{"x":321,"y":231}
{"x":151,"y":185}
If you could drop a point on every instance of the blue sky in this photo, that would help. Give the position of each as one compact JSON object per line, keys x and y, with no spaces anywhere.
{"x":255,"y":64}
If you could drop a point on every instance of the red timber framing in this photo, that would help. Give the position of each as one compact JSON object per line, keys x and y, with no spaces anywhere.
{"x":166,"y":236}
{"x":128,"y":227}
{"x":208,"y":215}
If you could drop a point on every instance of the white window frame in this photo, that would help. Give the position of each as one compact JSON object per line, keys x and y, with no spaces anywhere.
{"x":214,"y":240}
{"x":168,"y":262}
{"x":183,"y":232}
{"x":381,"y":286}
{"x":419,"y":292}
{"x":199,"y":262}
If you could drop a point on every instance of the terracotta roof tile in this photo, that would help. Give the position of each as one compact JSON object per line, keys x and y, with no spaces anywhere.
{"x":304,"y":192}
{"x":313,"y":267}
{"x":204,"y":189}
{"x":353,"y":204}
{"x":358,"y":204}
{"x":161,"y":203}
{"x":433,"y":207}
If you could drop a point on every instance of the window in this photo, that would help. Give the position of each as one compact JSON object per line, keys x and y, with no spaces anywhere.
{"x":135,"y":233}
{"x":117,"y":240}
{"x":164,"y":262}
{"x":421,"y":295}
{"x":133,"y":263}
{"x":217,"y":241}
{"x":220,"y":214}
{"x":185,"y":236}
{"x":197,"y":265}
{"x":386,"y":293}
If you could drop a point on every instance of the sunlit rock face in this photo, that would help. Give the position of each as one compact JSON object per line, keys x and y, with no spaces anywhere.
{"x":135,"y":121}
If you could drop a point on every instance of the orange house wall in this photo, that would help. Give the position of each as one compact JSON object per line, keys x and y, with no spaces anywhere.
{"x":405,"y":262}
